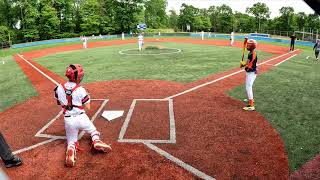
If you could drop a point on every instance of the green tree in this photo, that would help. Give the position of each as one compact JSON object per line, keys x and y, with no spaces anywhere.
{"x":224,"y":17}
{"x":301,"y":19}
{"x":260,"y":11}
{"x":286,"y":20}
{"x":48,"y":22}
{"x":89,"y":12}
{"x":187,"y":15}
{"x":155,"y":13}
{"x":173,"y":20}
{"x":29,"y":22}
{"x":243,"y":22}
{"x":125,"y":18}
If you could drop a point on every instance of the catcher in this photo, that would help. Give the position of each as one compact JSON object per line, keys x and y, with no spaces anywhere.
{"x":251,"y":73}
{"x":74,"y":99}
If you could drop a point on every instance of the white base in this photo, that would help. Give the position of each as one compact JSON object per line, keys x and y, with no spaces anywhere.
{"x":111,"y":115}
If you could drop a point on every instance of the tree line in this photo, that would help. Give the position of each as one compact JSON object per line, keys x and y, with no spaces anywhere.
{"x":32,"y":20}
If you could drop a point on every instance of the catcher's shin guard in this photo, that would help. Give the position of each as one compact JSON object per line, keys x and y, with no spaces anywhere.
{"x":6,"y":154}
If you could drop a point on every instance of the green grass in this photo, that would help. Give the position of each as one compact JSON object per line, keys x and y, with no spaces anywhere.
{"x":193,"y":63}
{"x":288,"y":96}
{"x":15,"y":86}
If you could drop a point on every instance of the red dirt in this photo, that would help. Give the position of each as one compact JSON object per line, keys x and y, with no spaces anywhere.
{"x":150,"y":120}
{"x":213,"y":134}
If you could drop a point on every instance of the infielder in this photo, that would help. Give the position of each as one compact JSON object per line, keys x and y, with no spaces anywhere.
{"x":316,"y":49}
{"x":74,"y":100}
{"x":140,"y":41}
{"x":84,"y":44}
{"x":251,"y":73}
{"x":231,"y":38}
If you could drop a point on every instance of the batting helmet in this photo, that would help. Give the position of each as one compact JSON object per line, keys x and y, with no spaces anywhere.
{"x":251,"y":44}
{"x":75,"y":73}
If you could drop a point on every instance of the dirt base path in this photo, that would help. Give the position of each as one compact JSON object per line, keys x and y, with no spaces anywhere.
{"x":200,"y":129}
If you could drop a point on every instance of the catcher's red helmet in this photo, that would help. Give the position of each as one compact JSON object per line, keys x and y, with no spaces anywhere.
{"x":251,"y":44}
{"x":75,"y":73}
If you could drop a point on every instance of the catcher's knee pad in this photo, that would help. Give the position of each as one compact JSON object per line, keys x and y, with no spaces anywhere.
{"x":5,"y":151}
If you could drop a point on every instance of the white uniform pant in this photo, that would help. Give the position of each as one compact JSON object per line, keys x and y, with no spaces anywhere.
{"x":140,"y":44}
{"x":231,"y":42}
{"x":80,"y":122}
{"x":84,"y":45}
{"x":250,"y":77}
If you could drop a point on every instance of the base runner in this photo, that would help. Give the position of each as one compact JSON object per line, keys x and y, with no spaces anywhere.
{"x":251,"y":73}
{"x":74,"y":100}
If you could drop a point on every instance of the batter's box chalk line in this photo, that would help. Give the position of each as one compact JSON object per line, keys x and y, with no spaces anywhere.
{"x":51,"y":137}
{"x":125,"y":125}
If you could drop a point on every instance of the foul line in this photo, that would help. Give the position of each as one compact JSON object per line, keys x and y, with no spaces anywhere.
{"x":221,"y":78}
{"x":285,"y":60}
{"x":41,"y":72}
{"x":182,"y":164}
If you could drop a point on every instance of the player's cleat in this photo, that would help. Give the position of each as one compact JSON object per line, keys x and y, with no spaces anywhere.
{"x":249,"y":108}
{"x":101,"y":146}
{"x":70,"y":157}
{"x":15,"y":161}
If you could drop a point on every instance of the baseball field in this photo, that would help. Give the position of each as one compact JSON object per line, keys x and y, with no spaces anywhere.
{"x":182,"y":103}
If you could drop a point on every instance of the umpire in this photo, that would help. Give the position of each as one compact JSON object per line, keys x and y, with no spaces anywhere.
{"x":6,"y":155}
{"x":293,"y":40}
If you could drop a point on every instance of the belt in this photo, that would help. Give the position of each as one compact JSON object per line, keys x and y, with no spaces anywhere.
{"x":74,"y":115}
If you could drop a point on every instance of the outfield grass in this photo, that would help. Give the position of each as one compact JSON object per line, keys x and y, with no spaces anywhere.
{"x":288,"y":96}
{"x":15,"y":86}
{"x":193,"y":63}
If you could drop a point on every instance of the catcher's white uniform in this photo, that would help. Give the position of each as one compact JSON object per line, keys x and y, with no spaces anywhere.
{"x":76,"y":119}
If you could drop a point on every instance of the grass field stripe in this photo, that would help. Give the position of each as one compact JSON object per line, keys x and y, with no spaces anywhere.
{"x":94,"y":116}
{"x":45,"y":75}
{"x":127,"y":120}
{"x":285,"y":60}
{"x":221,"y":78}
{"x":34,"y":146}
{"x":182,"y":164}
{"x":48,"y":124}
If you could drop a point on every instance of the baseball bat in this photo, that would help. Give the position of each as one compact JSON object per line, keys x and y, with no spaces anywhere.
{"x":243,"y":50}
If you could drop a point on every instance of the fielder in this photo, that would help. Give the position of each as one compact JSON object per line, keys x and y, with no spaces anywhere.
{"x":74,"y":100}
{"x":231,"y":38}
{"x":84,"y":44}
{"x":316,"y":49}
{"x":202,"y":35}
{"x":251,"y":73}
{"x":140,"y":41}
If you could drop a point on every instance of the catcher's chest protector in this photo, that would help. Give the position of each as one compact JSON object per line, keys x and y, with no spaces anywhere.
{"x":68,"y":93}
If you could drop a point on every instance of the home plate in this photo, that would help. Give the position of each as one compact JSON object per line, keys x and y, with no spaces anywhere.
{"x":111,"y":115}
